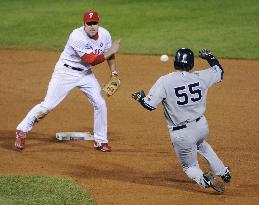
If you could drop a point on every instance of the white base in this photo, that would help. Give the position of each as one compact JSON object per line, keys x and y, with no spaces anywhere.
{"x":74,"y":136}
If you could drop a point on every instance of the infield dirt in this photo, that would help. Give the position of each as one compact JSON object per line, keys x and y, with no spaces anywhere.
{"x":142,"y":168}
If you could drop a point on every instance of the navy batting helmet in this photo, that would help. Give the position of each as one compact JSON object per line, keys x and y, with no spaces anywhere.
{"x":184,"y":59}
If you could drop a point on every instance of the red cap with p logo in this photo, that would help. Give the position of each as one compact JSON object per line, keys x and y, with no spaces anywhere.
{"x":91,"y":16}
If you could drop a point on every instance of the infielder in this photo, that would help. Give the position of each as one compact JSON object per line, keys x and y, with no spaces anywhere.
{"x":183,"y":96}
{"x":86,"y":47}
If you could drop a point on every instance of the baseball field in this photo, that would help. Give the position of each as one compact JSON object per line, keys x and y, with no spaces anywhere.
{"x":142,"y":167}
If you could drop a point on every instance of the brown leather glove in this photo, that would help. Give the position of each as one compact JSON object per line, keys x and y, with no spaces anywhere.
{"x":112,"y":86}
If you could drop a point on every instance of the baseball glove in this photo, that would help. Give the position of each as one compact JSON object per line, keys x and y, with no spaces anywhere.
{"x":112,"y":86}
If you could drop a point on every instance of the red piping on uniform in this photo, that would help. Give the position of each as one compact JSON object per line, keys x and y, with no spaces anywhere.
{"x":93,"y":59}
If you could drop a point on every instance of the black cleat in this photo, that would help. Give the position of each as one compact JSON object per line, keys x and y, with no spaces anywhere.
{"x":226,"y":177}
{"x":210,"y":181}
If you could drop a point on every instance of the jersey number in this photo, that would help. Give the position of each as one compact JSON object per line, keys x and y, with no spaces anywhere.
{"x":181,"y":92}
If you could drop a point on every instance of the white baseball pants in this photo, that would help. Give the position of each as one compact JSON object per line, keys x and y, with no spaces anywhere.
{"x":62,"y":82}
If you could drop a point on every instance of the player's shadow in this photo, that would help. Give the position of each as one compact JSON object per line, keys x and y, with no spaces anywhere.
{"x":36,"y":139}
{"x":120,"y":172}
{"x":7,"y":139}
{"x":113,"y":136}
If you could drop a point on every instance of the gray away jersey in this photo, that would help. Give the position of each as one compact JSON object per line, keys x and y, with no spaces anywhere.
{"x":183,"y":94}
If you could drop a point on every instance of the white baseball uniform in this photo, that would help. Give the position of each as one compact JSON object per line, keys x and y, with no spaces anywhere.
{"x":183,"y":95}
{"x":70,"y":72}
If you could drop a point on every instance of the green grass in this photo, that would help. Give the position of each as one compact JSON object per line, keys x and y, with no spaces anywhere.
{"x":228,"y":27}
{"x":33,"y":190}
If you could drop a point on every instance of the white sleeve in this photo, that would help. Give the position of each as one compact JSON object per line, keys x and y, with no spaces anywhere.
{"x":156,"y":94}
{"x":80,"y":46}
{"x":212,"y":75}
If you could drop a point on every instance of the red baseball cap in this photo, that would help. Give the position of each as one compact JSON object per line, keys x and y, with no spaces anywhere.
{"x":91,"y":16}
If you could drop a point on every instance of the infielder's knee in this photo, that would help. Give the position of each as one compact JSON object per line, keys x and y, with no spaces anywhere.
{"x":42,"y":111}
{"x":40,"y":115}
{"x":47,"y":106}
{"x":100,"y":105}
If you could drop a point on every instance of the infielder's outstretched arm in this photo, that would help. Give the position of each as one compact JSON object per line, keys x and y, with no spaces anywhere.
{"x":114,"y":49}
{"x":112,"y":65}
{"x":110,"y":56}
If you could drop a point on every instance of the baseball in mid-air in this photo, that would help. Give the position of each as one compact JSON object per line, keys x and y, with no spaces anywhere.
{"x":164,"y":58}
